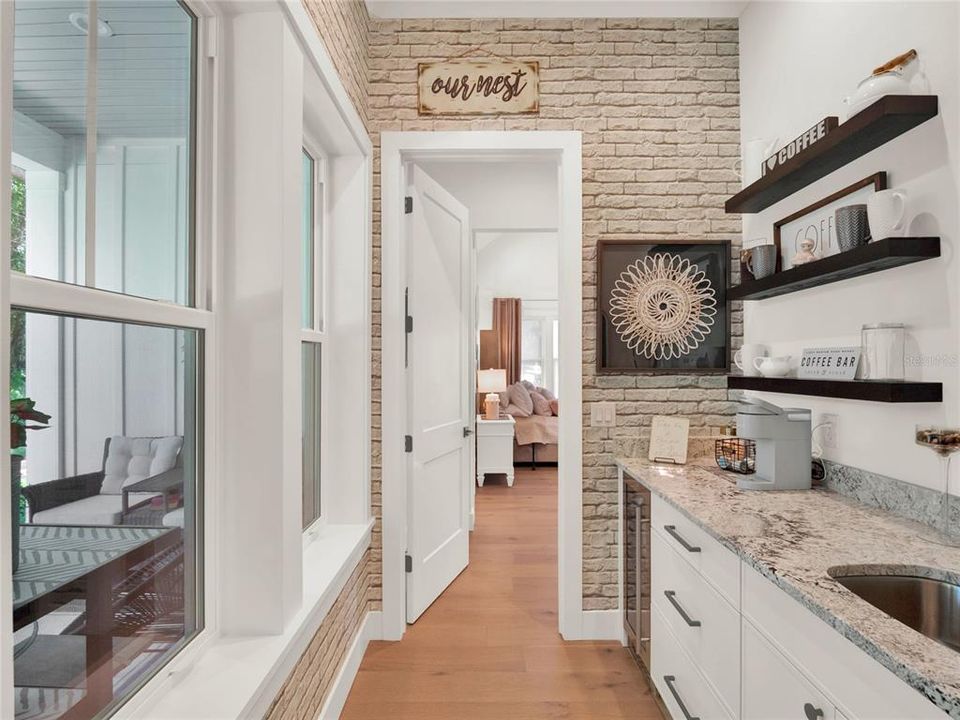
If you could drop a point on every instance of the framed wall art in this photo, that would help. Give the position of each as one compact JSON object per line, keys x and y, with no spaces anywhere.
{"x":662,"y":306}
{"x":815,"y":222}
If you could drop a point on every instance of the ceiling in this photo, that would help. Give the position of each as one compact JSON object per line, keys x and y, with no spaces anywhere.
{"x":143,"y":68}
{"x":554,"y":8}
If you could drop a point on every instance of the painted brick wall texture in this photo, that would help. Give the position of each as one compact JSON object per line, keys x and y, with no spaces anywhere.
{"x":657,"y":101}
{"x":302,"y":696}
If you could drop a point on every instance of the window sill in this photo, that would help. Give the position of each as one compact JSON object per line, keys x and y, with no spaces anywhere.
{"x":233,"y":677}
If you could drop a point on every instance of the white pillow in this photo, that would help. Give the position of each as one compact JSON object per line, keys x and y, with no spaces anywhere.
{"x":130,"y":460}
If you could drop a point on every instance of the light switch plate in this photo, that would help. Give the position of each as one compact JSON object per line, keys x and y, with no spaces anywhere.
{"x":603,"y":414}
{"x":830,"y":432}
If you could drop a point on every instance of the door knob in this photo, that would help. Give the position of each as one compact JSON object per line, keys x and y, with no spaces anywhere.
{"x":812,"y":713}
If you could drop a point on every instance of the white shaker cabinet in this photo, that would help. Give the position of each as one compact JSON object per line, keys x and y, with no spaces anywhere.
{"x":727,"y":643}
{"x":773,"y":689}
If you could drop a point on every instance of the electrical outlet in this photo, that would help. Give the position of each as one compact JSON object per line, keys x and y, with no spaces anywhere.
{"x":830,"y":432}
{"x":603,"y":414}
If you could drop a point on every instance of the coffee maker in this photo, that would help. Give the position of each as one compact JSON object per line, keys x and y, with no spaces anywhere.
{"x":783,"y":439}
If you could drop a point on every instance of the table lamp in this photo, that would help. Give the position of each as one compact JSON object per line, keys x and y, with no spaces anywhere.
{"x":491,"y":382}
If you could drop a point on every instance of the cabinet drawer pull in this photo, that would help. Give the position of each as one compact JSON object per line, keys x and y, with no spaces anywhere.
{"x":670,"y":680}
{"x":812,"y":713}
{"x":672,"y":529}
{"x":672,"y":597}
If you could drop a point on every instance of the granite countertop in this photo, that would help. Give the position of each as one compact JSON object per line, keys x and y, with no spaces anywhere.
{"x":794,"y":538}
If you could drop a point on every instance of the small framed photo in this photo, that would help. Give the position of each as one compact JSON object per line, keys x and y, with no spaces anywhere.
{"x":662,"y":306}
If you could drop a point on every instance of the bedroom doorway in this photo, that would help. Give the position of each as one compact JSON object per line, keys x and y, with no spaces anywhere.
{"x":481,"y":235}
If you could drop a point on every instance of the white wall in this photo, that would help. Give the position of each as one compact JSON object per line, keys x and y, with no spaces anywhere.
{"x":797,"y":61}
{"x":502,"y":195}
{"x":514,"y":264}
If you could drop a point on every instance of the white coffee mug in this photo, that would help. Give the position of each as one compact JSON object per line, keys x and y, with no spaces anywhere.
{"x":744,"y":358}
{"x":773,"y":366}
{"x":887,"y":213}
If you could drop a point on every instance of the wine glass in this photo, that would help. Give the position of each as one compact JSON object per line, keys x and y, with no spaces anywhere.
{"x":944,"y":441}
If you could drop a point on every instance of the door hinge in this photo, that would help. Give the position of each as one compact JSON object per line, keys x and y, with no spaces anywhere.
{"x":407,"y":326}
{"x":408,"y":443}
{"x":407,"y":205}
{"x":407,"y":562}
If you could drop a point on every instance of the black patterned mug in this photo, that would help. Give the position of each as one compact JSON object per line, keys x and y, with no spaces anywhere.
{"x":852,"y":226}
{"x":762,"y":261}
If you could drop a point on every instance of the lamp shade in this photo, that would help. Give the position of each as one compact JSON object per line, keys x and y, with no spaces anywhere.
{"x":491,"y":381}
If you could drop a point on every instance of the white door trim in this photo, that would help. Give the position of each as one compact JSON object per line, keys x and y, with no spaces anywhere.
{"x":396,"y":149}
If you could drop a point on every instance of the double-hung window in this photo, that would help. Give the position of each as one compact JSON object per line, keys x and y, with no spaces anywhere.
{"x":106,"y":536}
{"x":312,"y":287}
{"x":539,"y":343}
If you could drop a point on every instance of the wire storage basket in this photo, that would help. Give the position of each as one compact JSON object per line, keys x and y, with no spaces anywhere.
{"x":737,"y":455}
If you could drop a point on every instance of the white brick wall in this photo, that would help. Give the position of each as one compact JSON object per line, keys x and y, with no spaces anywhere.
{"x":658,"y":104}
{"x":657,"y":101}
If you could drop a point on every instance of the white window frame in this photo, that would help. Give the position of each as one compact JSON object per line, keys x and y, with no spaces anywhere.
{"x":34,"y":294}
{"x":227,"y":678}
{"x":317,"y":335}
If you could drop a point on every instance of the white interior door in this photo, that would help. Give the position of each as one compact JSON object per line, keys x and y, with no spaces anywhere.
{"x":438,"y":386}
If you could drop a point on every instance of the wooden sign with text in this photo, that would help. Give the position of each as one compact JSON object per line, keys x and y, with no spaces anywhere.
{"x":835,"y":363}
{"x":815,"y":134}
{"x":478,"y":87}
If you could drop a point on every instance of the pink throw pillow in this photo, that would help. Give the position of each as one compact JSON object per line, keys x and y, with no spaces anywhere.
{"x":548,"y":394}
{"x":555,"y":407}
{"x":541,"y":406}
{"x":520,"y":396}
{"x":512,"y":409}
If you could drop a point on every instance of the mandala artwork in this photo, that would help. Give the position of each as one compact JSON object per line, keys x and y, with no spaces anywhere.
{"x":663,"y":306}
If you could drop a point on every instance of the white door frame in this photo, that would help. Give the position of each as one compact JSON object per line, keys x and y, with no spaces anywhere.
{"x":397,"y":148}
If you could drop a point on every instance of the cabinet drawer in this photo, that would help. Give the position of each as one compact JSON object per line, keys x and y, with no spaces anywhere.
{"x":684,"y":691}
{"x":716,"y":563}
{"x":704,"y":623}
{"x":773,"y":689}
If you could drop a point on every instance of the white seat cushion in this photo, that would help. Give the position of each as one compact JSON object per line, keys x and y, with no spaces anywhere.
{"x":174,"y":518}
{"x":95,"y":510}
{"x":130,"y":460}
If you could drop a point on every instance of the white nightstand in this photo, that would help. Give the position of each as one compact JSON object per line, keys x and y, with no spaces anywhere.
{"x":495,"y":448}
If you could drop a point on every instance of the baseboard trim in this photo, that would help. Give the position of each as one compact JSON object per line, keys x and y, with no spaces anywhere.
{"x":602,"y":625}
{"x":370,"y":629}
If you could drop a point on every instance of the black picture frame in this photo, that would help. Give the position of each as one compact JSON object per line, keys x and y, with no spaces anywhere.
{"x":712,"y":356}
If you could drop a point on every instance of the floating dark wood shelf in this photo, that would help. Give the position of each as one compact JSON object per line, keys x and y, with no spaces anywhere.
{"x":863,"y":260}
{"x":888,"y":117}
{"x":874,"y":390}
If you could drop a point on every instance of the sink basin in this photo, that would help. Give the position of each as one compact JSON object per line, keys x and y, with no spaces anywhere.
{"x":927,"y":605}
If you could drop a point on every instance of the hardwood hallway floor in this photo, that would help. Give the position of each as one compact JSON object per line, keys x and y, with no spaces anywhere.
{"x":488,"y":648}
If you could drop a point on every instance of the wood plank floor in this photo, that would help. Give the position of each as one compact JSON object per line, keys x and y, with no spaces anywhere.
{"x":488,"y":648}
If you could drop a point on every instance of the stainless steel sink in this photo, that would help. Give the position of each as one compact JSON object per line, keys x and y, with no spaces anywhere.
{"x":929,"y":606}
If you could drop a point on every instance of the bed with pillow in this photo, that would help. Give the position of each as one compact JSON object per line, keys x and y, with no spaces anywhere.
{"x":535,"y":411}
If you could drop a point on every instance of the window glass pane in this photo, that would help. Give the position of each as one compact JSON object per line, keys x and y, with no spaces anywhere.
{"x":311,"y":374}
{"x":531,"y":351}
{"x":107,"y":570}
{"x":307,"y":242}
{"x":49,"y":137}
{"x":143,"y":102}
{"x":144,"y":153}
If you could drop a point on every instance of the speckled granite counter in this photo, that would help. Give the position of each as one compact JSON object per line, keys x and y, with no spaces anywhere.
{"x":794,"y":538}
